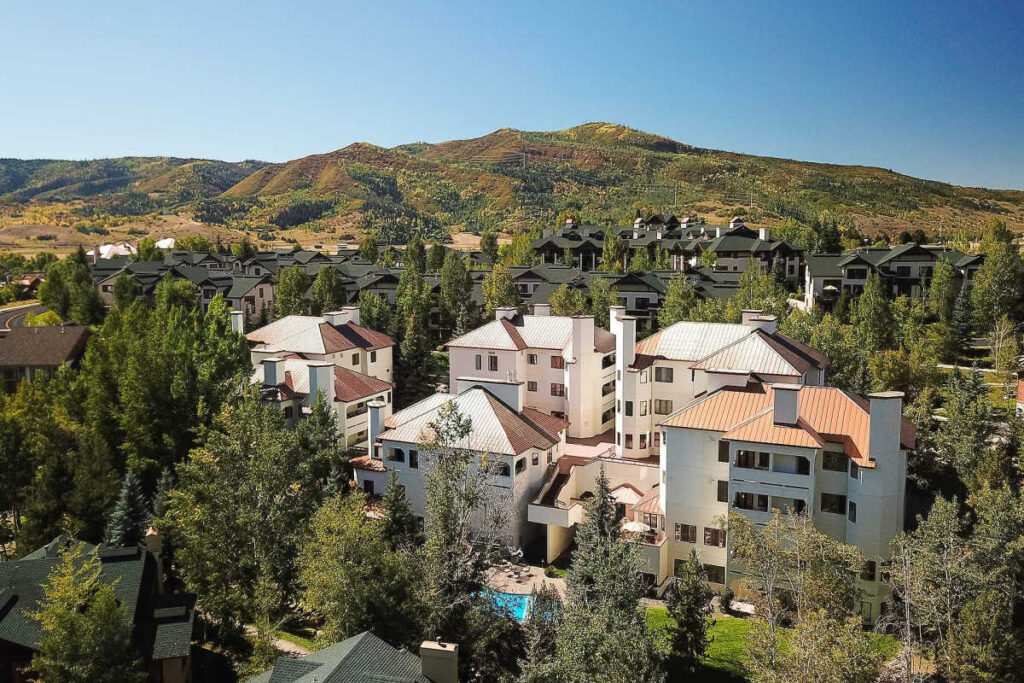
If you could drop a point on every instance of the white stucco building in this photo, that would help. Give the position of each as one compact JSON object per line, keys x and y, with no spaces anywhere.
{"x":298,"y":356}
{"x":667,"y":370}
{"x":522,"y":441}
{"x":566,"y":364}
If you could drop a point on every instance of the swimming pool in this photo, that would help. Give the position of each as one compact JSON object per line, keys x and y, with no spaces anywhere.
{"x":516,"y":605}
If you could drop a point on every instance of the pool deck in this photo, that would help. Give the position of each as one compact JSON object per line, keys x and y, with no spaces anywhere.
{"x":529,"y":577}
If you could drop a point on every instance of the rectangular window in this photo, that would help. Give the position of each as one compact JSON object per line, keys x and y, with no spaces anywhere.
{"x":492,"y":363}
{"x":854,"y":470}
{"x":396,"y":455}
{"x":643,"y":408}
{"x":663,"y":374}
{"x":852,"y":514}
{"x":288,"y":412}
{"x":355,"y":358}
{"x":723,"y":491}
{"x":629,"y":441}
{"x":656,"y":440}
{"x":531,"y":386}
{"x":662,"y":407}
{"x":531,"y":358}
{"x":645,"y":376}
{"x":686,"y":533}
{"x":723,"y":451}
{"x":868,"y":572}
{"x":414,"y":459}
{"x":834,"y":503}
{"x":479,"y":362}
{"x":715,"y":537}
{"x":520,"y":465}
{"x":557,"y":389}
{"x":643,"y":440}
{"x":629,"y":409}
{"x":834,"y":462}
{"x":716,"y":573}
{"x":557,"y":362}
{"x":373,"y":356}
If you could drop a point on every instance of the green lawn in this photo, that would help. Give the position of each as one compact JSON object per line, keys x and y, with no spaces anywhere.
{"x":724,"y":658}
{"x":304,"y":637}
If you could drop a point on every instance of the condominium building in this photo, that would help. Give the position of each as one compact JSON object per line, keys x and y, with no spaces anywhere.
{"x":753,"y":447}
{"x":566,"y":363}
{"x":298,"y":356}
{"x":521,"y":441}
{"x":667,"y":370}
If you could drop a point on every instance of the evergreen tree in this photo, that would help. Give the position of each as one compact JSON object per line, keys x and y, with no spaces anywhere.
{"x":456,"y":287}
{"x":435,"y":257}
{"x":568,"y":301}
{"x":499,"y":290}
{"x":400,"y":526}
{"x":368,"y":248}
{"x":489,"y":246}
{"x":163,"y":489}
{"x":85,"y":633}
{"x":640,"y":261}
{"x":602,"y":297}
{"x":127,"y":525}
{"x":290,"y":296}
{"x":415,"y":254}
{"x":961,"y":324}
{"x":689,"y":606}
{"x":872,"y":317}
{"x":374,"y":311}
{"x":680,"y":298}
{"x":829,"y":236}
{"x":328,"y":293}
{"x":126,"y":291}
{"x":982,"y":643}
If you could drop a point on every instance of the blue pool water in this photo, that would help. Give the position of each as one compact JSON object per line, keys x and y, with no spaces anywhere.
{"x":516,"y":605}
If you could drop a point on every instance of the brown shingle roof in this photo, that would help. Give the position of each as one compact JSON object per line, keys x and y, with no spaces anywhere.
{"x":43,"y":346}
{"x":549,"y":424}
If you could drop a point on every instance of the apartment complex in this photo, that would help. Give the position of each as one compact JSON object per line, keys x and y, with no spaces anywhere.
{"x":752,"y":447}
{"x":297,"y":357}
{"x":906,"y":270}
{"x":520,"y":441}
{"x":566,"y":364}
{"x":669,"y":369}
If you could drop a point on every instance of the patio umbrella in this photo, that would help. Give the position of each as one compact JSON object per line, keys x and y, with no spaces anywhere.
{"x":637,"y":527}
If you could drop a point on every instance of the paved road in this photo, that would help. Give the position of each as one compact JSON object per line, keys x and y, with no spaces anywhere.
{"x":16,"y":317}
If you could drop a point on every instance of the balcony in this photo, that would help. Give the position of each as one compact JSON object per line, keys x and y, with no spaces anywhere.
{"x":557,"y":514}
{"x":356,"y":410}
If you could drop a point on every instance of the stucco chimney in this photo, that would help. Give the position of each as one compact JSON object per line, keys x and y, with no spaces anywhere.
{"x":625,"y":341}
{"x":321,"y":380}
{"x":763,"y":234}
{"x":767,"y":323}
{"x":542,"y":309}
{"x":440,"y":661}
{"x":238,"y":322}
{"x":504,"y":312}
{"x":718,"y":231}
{"x":348,"y":314}
{"x":749,"y":314}
{"x":273,"y":371}
{"x":784,"y":409}
{"x":376,"y":425}
{"x":95,"y":253}
{"x":886,"y":410}
{"x":582,"y":335}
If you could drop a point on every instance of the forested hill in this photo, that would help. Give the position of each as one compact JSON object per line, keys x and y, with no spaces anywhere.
{"x":508,"y":179}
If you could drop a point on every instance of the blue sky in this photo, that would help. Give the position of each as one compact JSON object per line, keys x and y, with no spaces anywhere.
{"x":931,"y":89}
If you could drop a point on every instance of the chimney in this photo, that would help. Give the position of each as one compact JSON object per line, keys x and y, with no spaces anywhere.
{"x":440,"y":661}
{"x":785,"y":403}
{"x":376,"y":425}
{"x":625,"y":341}
{"x":885,"y":412}
{"x":505,"y":312}
{"x":348,"y":314}
{"x":766,"y":323}
{"x":568,"y":222}
{"x":95,"y":253}
{"x":542,"y":309}
{"x":718,"y":231}
{"x":749,"y":314}
{"x":273,"y":371}
{"x":237,"y":322}
{"x":509,"y":391}
{"x":321,"y":380}
{"x":582,"y":335}
{"x":154,"y":546}
{"x":763,"y":234}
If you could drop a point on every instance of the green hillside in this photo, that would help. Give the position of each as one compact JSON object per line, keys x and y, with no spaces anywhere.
{"x":510,"y":180}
